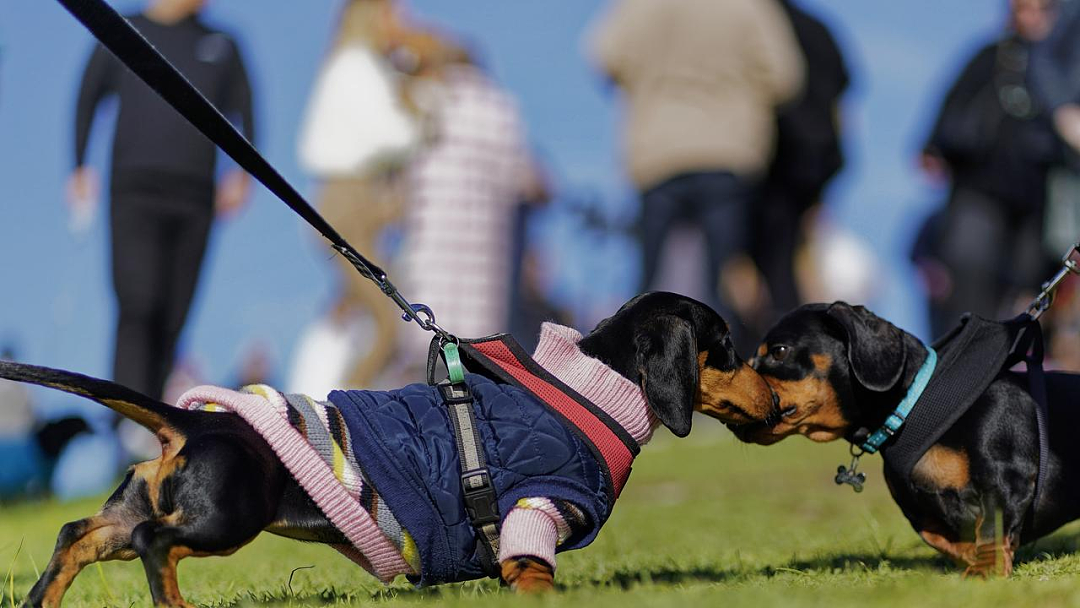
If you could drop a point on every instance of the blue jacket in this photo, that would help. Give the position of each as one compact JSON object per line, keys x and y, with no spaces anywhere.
{"x":404,"y":441}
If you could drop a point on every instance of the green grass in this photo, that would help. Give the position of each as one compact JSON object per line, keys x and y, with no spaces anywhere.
{"x":704,"y":521}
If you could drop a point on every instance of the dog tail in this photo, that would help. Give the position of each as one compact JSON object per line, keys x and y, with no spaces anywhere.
{"x":130,"y":404}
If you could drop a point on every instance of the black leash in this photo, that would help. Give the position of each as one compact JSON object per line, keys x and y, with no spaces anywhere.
{"x":131,"y":48}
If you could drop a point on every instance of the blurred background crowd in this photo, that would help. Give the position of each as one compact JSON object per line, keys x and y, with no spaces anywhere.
{"x":509,"y":165}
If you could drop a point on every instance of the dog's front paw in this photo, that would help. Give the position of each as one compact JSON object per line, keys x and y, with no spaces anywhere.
{"x":528,"y":575}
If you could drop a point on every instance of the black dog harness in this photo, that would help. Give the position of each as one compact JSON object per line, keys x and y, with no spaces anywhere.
{"x":970,"y":358}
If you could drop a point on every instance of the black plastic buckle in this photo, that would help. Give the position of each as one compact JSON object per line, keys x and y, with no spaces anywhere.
{"x":480,"y":502}
{"x":453,"y":394}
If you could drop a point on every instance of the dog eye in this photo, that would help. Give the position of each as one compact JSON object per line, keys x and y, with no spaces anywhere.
{"x":779,"y":352}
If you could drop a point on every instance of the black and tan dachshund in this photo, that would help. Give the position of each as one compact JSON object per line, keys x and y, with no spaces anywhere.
{"x":217,"y":484}
{"x":838,"y":368}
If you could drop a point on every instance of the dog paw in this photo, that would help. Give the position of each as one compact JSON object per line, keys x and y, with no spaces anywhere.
{"x":528,"y":575}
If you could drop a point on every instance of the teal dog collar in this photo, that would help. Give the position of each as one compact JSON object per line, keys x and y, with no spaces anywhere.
{"x":896,"y":419}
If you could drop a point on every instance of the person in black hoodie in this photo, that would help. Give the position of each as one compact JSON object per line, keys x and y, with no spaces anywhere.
{"x":162,"y":184}
{"x":996,"y":144}
{"x":808,"y":155}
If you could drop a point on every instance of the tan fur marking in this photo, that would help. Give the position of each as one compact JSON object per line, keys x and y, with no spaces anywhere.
{"x":817,"y":413}
{"x":527,"y":575}
{"x":942,"y":468}
{"x":154,"y":472}
{"x":172,"y":441}
{"x":742,"y":387}
{"x":105,"y":539}
{"x":170,"y":586}
{"x":135,"y":413}
{"x":822,"y":362}
{"x":762,"y":350}
{"x":963,"y":553}
{"x":985,"y":557}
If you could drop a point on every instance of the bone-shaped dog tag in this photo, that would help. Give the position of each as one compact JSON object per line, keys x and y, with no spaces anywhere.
{"x":851,"y":477}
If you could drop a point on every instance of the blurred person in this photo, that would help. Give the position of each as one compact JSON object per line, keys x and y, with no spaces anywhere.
{"x":359,"y":131}
{"x":1055,"y":81}
{"x":995,"y":143}
{"x":29,"y":447}
{"x":162,"y":182}
{"x":702,"y":80}
{"x":28,"y":460}
{"x":808,"y":155}
{"x":16,"y":409}
{"x":1055,"y":68}
{"x":257,"y":366}
{"x":463,"y":194}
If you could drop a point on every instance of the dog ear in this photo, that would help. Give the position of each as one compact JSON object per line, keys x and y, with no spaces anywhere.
{"x":666,"y":357}
{"x":875,"y":347}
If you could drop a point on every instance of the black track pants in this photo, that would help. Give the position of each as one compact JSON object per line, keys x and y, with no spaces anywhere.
{"x":159,"y":236}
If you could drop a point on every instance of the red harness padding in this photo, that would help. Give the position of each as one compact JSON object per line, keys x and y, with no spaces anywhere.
{"x":501,"y":356}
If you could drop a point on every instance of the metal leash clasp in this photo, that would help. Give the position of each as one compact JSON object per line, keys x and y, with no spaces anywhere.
{"x":851,"y":475}
{"x":420,"y":313}
{"x":1070,"y":264}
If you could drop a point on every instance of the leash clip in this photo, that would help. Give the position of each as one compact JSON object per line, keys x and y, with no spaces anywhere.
{"x":851,"y":475}
{"x":1042,"y":302}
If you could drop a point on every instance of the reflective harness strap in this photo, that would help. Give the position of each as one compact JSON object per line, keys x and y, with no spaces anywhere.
{"x":481,"y":502}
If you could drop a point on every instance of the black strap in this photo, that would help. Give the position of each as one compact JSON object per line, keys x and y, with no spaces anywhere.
{"x":969,"y":358}
{"x":1029,"y":346}
{"x":147,"y":63}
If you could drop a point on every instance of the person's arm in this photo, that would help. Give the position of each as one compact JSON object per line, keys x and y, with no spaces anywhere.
{"x":235,"y":186}
{"x":777,"y":60}
{"x":98,"y":80}
{"x":238,"y":99}
{"x":612,"y":40}
{"x":951,"y":139}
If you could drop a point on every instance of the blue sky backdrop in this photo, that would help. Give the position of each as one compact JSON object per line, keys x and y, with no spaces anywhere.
{"x":268,"y":275}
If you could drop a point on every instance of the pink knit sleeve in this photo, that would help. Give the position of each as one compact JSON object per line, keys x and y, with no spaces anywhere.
{"x":528,"y":532}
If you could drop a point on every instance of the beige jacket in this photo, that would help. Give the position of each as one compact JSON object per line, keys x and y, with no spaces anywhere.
{"x":702,"y":79}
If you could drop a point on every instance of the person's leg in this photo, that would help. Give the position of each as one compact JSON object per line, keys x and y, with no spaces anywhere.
{"x":362,"y":209}
{"x":185,"y":248}
{"x":1028,"y":265}
{"x":721,"y":202}
{"x":660,"y":207}
{"x":973,"y":250}
{"x":775,"y":237}
{"x":138,"y":280}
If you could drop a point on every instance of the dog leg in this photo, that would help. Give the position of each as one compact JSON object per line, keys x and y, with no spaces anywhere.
{"x":993,"y":549}
{"x":528,"y":575}
{"x":79,"y":544}
{"x":160,"y":549}
{"x":161,"y":546}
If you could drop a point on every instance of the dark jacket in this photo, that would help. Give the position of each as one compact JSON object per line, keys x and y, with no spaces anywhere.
{"x":151,"y":137}
{"x":808,"y":151}
{"x":992,"y":133}
{"x":405,"y":444}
